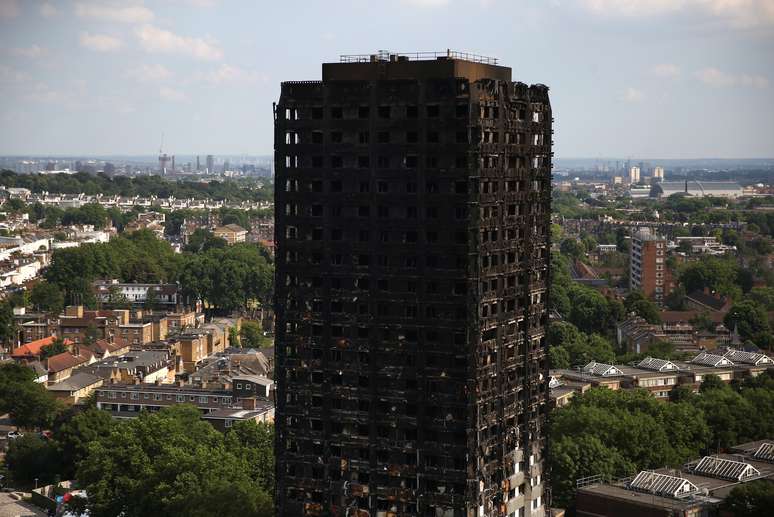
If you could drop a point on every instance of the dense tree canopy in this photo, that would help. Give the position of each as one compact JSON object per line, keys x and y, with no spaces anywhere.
{"x":753,"y":499}
{"x":226,"y":277}
{"x":246,"y":189}
{"x":567,"y":342}
{"x":749,"y":318}
{"x":615,"y":433}
{"x":173,"y":463}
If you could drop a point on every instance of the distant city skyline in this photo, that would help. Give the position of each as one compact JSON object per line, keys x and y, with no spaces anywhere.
{"x":630,"y":78}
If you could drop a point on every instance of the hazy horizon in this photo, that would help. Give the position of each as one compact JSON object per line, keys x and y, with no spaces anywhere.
{"x":678,"y":78}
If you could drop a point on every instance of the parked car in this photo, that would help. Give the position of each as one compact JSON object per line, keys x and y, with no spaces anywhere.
{"x":14,"y":434}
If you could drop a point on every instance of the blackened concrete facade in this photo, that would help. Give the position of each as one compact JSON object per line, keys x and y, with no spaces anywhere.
{"x":412,"y":232}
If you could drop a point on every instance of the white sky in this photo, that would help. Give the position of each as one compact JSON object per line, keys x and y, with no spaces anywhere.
{"x":645,"y":78}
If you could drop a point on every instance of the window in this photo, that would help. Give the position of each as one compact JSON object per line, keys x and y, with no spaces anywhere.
{"x":432,"y":137}
{"x":383,"y":162}
{"x":363,"y":162}
{"x":412,"y":112}
{"x":337,"y":112}
{"x":384,"y":112}
{"x":383,"y":137}
{"x":317,"y":137}
{"x":180,"y":398}
{"x":433,"y":111}
{"x":412,"y":137}
{"x":337,"y":137}
{"x":363,"y":112}
{"x":337,"y":162}
{"x":363,"y":137}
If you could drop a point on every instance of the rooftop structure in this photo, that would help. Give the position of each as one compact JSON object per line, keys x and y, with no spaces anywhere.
{"x":694,"y":188}
{"x":662,"y":484}
{"x":740,"y":356}
{"x":601,"y":369}
{"x":765,"y":452}
{"x":713,"y":360}
{"x":658,"y":365}
{"x":698,"y":488}
{"x":723,"y":468}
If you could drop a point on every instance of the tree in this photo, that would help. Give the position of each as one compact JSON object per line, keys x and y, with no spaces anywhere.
{"x":256,"y":441}
{"x":233,"y":338}
{"x":753,"y":499}
{"x":7,"y":323}
{"x":73,"y":436}
{"x":29,"y":403}
{"x":763,"y":296}
{"x":29,"y":458}
{"x":572,"y":248}
{"x":616,"y":433}
{"x":648,"y":311}
{"x":251,"y":334}
{"x":711,"y":382}
{"x":559,"y":357}
{"x":57,"y":347}
{"x":748,"y":317}
{"x":47,"y":297}
{"x":171,"y":463}
{"x":590,"y":311}
{"x":151,"y":299}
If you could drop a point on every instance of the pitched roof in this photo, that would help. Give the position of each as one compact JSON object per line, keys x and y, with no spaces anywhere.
{"x":34,"y":348}
{"x":65,"y":360}
{"x":710,"y":301}
{"x":739,"y":356}
{"x":601,"y":369}
{"x":658,"y":365}
{"x":76,"y":382}
{"x":706,"y":359}
{"x":662,"y":484}
{"x":231,"y":228}
{"x":723,"y":468}
{"x":765,"y":452}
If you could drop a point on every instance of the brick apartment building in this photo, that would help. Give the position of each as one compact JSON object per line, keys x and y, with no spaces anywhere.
{"x":648,"y":270}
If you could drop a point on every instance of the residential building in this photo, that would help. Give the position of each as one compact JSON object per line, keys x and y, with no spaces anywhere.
{"x":658,"y":173}
{"x":76,"y":387}
{"x":162,"y":295}
{"x":61,"y":366}
{"x":647,"y":265}
{"x":253,"y":409}
{"x":127,"y":400}
{"x":178,"y":321}
{"x":413,"y":197}
{"x":31,"y":351}
{"x":707,"y":301}
{"x":634,"y":175}
{"x":136,"y":332}
{"x":148,"y":366}
{"x":231,"y":233}
{"x":698,"y":488}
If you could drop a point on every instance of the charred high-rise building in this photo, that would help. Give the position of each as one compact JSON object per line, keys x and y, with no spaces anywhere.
{"x":412,"y":233}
